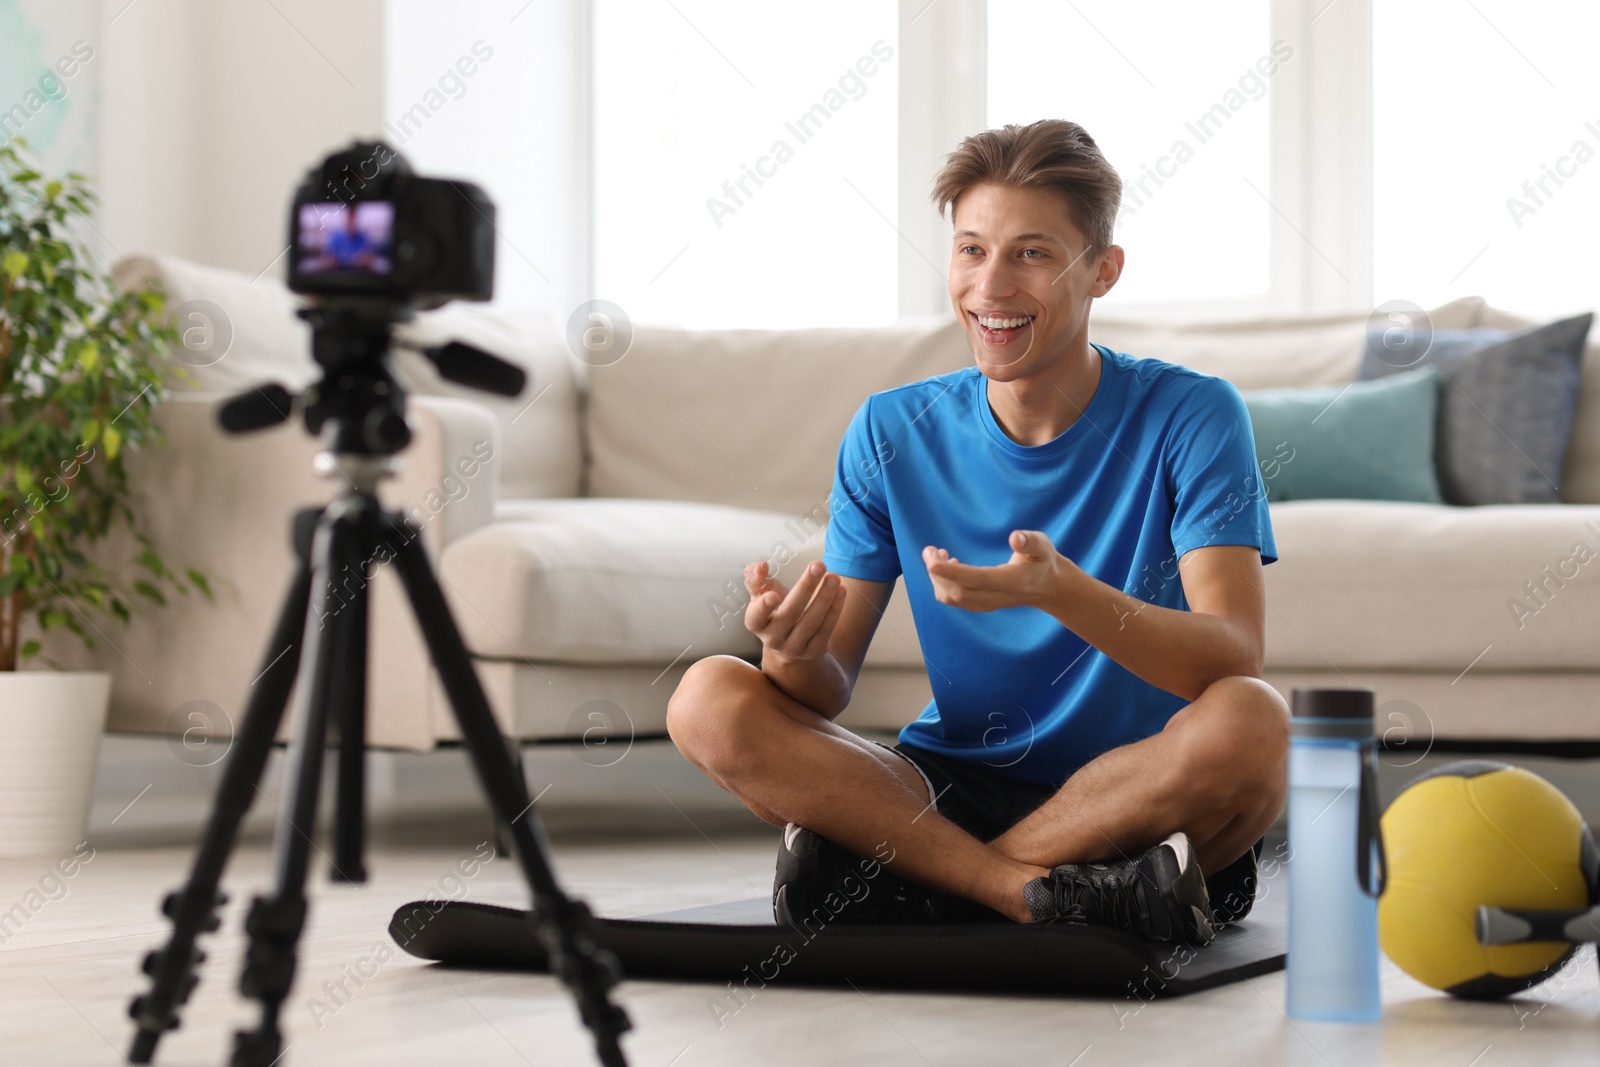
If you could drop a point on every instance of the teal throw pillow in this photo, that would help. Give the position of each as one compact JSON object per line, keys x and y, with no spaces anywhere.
{"x":1371,"y":440}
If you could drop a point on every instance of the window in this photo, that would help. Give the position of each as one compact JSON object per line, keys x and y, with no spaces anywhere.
{"x":1181,"y":113}
{"x":712,"y":164}
{"x":1486,"y":140}
{"x":745,"y":162}
{"x":489,"y":91}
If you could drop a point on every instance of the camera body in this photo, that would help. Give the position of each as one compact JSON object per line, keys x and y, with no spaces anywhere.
{"x":372,"y":243}
{"x":363,"y":224}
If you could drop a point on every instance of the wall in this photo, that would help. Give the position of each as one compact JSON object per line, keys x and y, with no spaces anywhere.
{"x":50,"y":81}
{"x":212,"y":110}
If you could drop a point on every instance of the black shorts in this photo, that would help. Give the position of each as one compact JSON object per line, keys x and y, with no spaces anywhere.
{"x":981,"y":800}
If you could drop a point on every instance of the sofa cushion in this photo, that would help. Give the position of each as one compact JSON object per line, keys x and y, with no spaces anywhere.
{"x":1427,"y":587}
{"x":257,"y":337}
{"x":596,"y":580}
{"x":747,"y":417}
{"x":1580,"y":474}
{"x":541,"y":445}
{"x":1264,"y":353}
{"x":236,"y":331}
{"x":1505,"y":406}
{"x":754,"y":417}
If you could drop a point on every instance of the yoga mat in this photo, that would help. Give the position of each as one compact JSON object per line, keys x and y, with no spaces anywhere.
{"x":739,"y":942}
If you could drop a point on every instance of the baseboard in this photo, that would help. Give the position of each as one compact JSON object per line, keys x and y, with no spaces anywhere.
{"x":145,"y":794}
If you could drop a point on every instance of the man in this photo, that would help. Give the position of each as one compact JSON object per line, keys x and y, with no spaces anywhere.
{"x":349,"y":248}
{"x":1081,"y":535}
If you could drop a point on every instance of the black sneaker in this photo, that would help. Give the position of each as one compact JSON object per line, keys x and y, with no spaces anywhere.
{"x":1233,"y":889}
{"x":818,"y":883}
{"x":1159,"y":896}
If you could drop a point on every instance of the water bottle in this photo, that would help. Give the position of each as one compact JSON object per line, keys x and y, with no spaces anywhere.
{"x":1336,"y":860}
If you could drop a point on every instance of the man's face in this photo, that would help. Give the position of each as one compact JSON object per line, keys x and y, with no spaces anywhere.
{"x":1021,"y":277}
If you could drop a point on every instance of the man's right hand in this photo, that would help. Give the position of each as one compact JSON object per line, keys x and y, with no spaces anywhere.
{"x":793,"y":623}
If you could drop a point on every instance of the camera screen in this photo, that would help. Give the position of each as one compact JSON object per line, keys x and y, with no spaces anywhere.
{"x":351,"y":238}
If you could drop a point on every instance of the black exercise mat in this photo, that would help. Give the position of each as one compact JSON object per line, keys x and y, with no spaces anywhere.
{"x":738,"y":942}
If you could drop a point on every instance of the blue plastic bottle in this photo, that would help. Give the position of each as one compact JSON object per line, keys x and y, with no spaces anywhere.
{"x":1335,"y":858}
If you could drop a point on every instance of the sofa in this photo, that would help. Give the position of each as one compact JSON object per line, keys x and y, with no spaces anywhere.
{"x":596,"y":548}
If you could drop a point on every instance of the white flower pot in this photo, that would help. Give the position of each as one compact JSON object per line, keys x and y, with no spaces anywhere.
{"x":50,"y":727}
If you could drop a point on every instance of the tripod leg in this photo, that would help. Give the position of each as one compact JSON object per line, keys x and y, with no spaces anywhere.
{"x":350,"y":710}
{"x":275,"y":922}
{"x":193,"y":908}
{"x":502,"y":842}
{"x":562,"y":923}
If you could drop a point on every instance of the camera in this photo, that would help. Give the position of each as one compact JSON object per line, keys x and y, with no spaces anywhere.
{"x":363,"y":224}
{"x":372,"y":243}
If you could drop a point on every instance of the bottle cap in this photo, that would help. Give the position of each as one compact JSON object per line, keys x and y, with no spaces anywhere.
{"x":1334,"y":714}
{"x":1353,"y":702}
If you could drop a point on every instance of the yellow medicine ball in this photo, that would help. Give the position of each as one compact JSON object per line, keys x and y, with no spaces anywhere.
{"x":1478,"y":832}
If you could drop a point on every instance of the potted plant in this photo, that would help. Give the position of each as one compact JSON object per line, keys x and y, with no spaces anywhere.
{"x":82,"y":372}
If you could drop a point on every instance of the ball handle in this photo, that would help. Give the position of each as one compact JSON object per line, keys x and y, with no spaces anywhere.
{"x":1512,"y":926}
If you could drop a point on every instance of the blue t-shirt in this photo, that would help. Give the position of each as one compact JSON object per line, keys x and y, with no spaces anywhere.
{"x":1162,"y":461}
{"x":346,"y":248}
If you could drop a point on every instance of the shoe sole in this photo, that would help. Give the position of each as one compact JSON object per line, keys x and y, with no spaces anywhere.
{"x":1187,"y":885}
{"x":780,"y":907}
{"x":1241,"y":889}
{"x":795,"y":860}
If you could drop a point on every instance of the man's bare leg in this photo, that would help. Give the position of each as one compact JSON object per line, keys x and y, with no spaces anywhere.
{"x":1218,"y":771}
{"x":790,"y":764}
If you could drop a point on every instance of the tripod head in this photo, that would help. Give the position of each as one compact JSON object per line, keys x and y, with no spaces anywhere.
{"x":358,"y":406}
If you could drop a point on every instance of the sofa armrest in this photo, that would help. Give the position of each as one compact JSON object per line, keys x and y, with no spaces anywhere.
{"x":223,"y":504}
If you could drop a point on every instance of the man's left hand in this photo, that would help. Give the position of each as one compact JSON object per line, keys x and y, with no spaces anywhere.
{"x":1022,"y":581}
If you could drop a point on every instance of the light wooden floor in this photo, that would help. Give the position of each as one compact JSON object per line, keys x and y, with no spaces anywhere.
{"x":66,"y":977}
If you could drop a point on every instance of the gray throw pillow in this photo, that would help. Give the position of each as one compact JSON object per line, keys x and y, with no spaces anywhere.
{"x":1506,"y":403}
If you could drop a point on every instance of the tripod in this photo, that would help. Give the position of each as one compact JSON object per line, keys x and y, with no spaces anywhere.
{"x":318,"y":651}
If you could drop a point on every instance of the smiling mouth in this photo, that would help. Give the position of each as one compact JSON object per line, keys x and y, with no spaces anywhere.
{"x":1000,"y":329}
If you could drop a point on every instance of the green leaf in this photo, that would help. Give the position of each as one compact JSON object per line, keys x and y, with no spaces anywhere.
{"x":78,"y":350}
{"x":200,"y":582}
{"x":30,"y":649}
